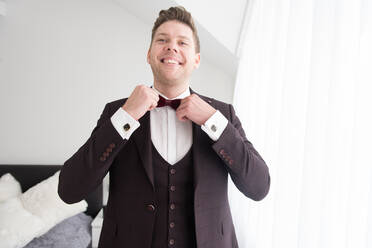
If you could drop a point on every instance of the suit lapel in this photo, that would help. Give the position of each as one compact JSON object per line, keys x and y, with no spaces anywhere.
{"x":196,"y":148}
{"x":200,"y":142}
{"x":142,"y":138}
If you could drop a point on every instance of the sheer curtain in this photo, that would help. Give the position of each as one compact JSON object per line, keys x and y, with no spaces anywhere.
{"x":304,"y":96}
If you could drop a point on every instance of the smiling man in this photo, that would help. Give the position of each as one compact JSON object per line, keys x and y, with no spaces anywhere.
{"x":169,"y":151}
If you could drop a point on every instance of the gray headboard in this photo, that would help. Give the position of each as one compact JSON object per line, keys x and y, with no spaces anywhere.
{"x":29,"y":175}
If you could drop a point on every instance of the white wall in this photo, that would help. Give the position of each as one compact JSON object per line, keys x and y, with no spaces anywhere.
{"x":60,"y":62}
{"x":2,"y":7}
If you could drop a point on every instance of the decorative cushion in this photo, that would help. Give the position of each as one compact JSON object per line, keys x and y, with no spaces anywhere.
{"x":17,"y":226}
{"x":43,"y":201}
{"x":33,"y":213}
{"x":9,"y":187}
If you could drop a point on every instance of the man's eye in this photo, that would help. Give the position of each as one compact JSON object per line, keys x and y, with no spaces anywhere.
{"x":161,"y":40}
{"x":183,"y":43}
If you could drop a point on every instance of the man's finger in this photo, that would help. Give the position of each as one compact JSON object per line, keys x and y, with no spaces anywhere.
{"x":181,"y":114}
{"x":153,"y":91}
{"x":153,"y":105}
{"x":154,"y":94}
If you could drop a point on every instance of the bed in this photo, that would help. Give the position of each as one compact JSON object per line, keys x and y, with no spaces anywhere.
{"x":30,"y":175}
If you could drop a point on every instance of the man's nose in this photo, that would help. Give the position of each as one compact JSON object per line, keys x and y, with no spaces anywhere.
{"x":172,"y":46}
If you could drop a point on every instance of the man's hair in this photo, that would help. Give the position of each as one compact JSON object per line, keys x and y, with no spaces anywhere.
{"x":181,"y":15}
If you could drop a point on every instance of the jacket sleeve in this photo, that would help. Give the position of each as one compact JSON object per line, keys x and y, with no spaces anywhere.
{"x":85,"y":170}
{"x":246,"y":167}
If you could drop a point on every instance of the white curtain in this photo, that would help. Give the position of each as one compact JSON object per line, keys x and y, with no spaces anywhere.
{"x":304,"y":96}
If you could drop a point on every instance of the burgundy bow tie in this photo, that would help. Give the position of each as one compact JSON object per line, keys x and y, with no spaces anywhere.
{"x":172,"y":103}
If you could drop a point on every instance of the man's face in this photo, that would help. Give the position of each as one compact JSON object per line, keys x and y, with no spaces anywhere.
{"x":172,"y":55}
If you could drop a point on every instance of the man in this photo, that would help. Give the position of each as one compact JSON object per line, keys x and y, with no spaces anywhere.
{"x":168,"y":159}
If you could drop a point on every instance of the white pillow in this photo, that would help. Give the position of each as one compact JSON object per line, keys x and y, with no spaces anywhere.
{"x":43,"y":201}
{"x":9,"y":187}
{"x":17,"y":226}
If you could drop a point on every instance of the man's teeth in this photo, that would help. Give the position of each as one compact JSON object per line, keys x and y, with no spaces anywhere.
{"x":170,"y":61}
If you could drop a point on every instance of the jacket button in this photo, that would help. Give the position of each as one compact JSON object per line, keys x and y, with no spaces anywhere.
{"x":171,"y":225}
{"x":173,"y":171}
{"x":172,"y":206}
{"x":173,"y":188}
{"x":222,"y":151}
{"x":151,"y":207}
{"x":171,"y":241}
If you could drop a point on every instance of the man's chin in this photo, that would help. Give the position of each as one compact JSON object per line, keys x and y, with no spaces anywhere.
{"x":172,"y":80}
{"x":169,"y":78}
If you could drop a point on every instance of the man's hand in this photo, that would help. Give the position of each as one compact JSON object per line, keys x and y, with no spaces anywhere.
{"x":195,"y":109}
{"x":142,"y":99}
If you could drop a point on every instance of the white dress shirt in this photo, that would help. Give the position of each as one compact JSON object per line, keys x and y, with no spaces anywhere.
{"x":171,"y":137}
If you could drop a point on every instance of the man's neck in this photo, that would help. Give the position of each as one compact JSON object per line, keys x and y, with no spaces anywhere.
{"x":170,"y":91}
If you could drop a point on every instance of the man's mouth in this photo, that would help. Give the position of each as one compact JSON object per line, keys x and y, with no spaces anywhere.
{"x":170,"y":61}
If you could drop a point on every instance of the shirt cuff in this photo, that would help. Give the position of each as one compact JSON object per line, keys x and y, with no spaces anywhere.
{"x":124,"y":123}
{"x":215,"y":125}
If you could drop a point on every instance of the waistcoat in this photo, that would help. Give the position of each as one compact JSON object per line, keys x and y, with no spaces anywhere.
{"x":174,"y":217}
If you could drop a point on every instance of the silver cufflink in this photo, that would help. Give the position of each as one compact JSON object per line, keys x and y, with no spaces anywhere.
{"x":213,"y":128}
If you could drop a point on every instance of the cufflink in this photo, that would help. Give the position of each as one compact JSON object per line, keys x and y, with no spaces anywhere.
{"x":213,"y":128}
{"x":126,"y":127}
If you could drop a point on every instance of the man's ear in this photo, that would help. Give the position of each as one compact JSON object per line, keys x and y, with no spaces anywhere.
{"x":197,"y":61}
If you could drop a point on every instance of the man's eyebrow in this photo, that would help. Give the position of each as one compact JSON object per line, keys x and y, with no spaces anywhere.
{"x":161,"y":34}
{"x":184,"y":37}
{"x":180,"y":36}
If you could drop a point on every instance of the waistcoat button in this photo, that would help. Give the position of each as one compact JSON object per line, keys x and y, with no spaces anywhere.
{"x":150,"y":207}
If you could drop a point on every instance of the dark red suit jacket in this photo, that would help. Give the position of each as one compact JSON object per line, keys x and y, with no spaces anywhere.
{"x":131,"y":207}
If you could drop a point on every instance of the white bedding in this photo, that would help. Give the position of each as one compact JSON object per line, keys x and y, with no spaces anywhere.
{"x":33,"y":213}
